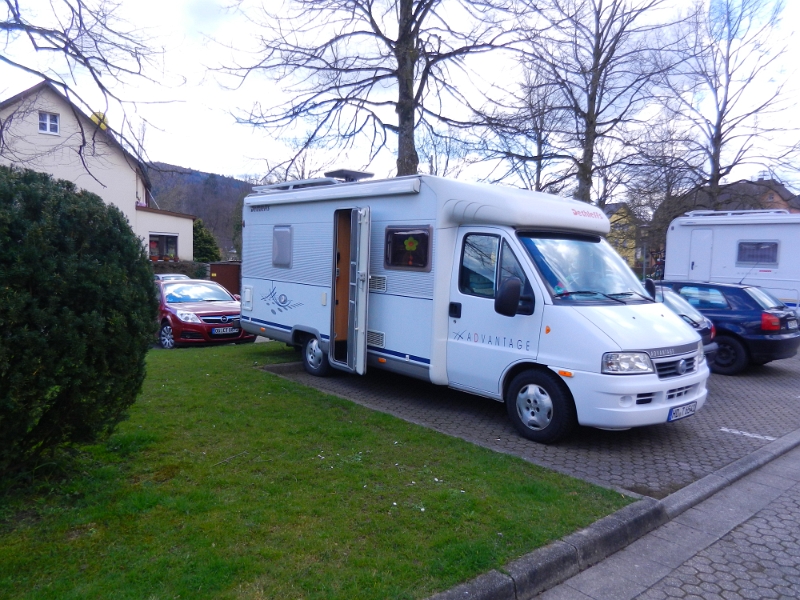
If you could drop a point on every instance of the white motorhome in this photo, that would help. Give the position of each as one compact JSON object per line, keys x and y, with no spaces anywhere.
{"x":509,"y":294}
{"x":752,"y":247}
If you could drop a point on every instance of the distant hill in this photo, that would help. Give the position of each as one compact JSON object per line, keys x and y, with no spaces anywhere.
{"x":216,"y":199}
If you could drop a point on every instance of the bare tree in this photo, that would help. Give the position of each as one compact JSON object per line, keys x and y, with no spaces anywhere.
{"x":444,"y":152}
{"x":597,"y":54}
{"x":526,"y":132}
{"x":77,"y":39}
{"x":369,"y":69}
{"x":721,"y":86}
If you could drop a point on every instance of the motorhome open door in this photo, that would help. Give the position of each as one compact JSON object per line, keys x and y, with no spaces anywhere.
{"x":351,"y":290}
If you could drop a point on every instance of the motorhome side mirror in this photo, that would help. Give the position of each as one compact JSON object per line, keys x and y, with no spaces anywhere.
{"x":650,"y":286}
{"x":507,"y":299}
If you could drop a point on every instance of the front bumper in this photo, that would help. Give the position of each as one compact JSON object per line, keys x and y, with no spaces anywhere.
{"x":197,"y":333}
{"x":625,"y":401}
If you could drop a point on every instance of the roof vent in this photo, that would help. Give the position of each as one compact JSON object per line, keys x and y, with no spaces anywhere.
{"x":347,"y":175}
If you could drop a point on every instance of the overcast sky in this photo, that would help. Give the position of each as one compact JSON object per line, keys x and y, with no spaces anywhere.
{"x":191,"y":122}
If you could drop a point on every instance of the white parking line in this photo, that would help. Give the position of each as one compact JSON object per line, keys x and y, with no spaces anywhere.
{"x":751,"y":435}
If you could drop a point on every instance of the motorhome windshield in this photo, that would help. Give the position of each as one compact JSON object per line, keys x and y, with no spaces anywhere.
{"x":582,"y":268}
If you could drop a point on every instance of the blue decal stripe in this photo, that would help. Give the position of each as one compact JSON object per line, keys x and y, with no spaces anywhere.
{"x":277,"y":325}
{"x":402,"y":355}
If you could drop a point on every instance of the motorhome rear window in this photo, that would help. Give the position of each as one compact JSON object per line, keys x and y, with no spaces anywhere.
{"x":408,"y":248}
{"x":757,"y":253}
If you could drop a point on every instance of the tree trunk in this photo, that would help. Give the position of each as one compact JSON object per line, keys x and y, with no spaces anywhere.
{"x":406,"y":54}
{"x":584,"y":175}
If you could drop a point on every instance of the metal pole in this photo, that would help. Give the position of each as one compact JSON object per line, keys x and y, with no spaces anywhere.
{"x":644,"y":254}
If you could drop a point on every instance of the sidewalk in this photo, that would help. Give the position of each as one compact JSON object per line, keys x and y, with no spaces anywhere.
{"x":742,"y":542}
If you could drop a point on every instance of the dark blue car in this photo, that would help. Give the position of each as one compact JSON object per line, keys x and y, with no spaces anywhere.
{"x":753,"y":327}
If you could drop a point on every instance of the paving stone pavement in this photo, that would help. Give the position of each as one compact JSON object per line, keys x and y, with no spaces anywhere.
{"x":741,"y":543}
{"x":742,"y":414}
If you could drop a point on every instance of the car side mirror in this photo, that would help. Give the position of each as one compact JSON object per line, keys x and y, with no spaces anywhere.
{"x":507,"y":299}
{"x":650,"y":286}
{"x":237,"y":297}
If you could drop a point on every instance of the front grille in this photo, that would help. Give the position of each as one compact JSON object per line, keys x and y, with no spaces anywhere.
{"x":225,"y":320}
{"x":645,"y":398}
{"x":671,"y":368}
{"x":679,"y":392}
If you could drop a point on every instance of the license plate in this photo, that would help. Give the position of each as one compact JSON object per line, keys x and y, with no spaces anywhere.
{"x":792,"y":324}
{"x":681,"y":412}
{"x":218,"y":330}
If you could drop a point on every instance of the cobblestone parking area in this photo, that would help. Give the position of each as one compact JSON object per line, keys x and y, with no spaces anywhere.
{"x":742,"y":413}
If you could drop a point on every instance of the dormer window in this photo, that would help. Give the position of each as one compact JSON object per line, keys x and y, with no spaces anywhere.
{"x":48,"y":123}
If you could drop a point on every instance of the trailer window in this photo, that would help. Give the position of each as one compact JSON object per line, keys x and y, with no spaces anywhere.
{"x":408,"y":248}
{"x":478,"y":265}
{"x":282,"y":246}
{"x":757,"y":253}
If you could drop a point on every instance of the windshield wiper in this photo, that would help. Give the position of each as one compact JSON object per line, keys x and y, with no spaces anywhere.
{"x":691,"y":321}
{"x":587,"y":292}
{"x":632,"y":293}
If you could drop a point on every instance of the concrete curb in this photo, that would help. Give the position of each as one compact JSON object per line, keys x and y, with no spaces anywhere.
{"x":546,"y":567}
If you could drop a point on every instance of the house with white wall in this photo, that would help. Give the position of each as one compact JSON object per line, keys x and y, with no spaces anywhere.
{"x":42,"y":130}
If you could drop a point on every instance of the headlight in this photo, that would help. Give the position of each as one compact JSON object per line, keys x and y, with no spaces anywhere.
{"x":626,"y":363}
{"x":188,"y":317}
{"x":701,"y":355}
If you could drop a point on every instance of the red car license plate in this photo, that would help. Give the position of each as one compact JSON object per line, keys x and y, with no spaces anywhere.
{"x":681,"y":412}
{"x":218,"y":330}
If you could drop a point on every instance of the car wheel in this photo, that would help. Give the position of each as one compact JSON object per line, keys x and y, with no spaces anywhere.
{"x":165,"y":337}
{"x":731,"y":356}
{"x":540,"y":406}
{"x":315,"y":361}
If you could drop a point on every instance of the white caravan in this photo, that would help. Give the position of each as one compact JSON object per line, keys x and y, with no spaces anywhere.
{"x":509,"y":294}
{"x":753,"y":247}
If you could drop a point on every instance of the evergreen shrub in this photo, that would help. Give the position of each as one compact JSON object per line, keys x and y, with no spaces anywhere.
{"x":77,"y":316}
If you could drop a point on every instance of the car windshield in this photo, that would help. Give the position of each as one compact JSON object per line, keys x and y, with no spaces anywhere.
{"x":195,"y":292}
{"x":581,"y":268}
{"x":764,"y":298}
{"x":680,"y":306}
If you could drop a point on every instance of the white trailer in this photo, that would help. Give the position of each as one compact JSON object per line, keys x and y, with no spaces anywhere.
{"x":752,"y":247}
{"x":508,"y":294}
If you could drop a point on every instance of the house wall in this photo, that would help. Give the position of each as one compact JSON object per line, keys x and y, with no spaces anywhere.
{"x":98,"y":166}
{"x":149,"y":221}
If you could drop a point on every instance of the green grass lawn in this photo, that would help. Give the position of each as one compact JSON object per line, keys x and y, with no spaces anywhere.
{"x":230,"y":482}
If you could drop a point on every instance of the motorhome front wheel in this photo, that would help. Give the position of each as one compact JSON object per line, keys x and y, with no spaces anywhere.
{"x":314,"y":360}
{"x":540,"y":407}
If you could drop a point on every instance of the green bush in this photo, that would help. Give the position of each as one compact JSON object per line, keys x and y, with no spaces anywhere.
{"x":205,"y":244}
{"x":77,"y":316}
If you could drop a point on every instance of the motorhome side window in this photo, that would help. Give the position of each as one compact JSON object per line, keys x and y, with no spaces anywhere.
{"x":282,"y":246}
{"x":479,"y":265}
{"x":408,"y":248}
{"x":757,"y":253}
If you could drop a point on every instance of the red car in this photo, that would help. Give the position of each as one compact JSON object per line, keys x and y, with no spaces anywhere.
{"x":195,"y":311}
